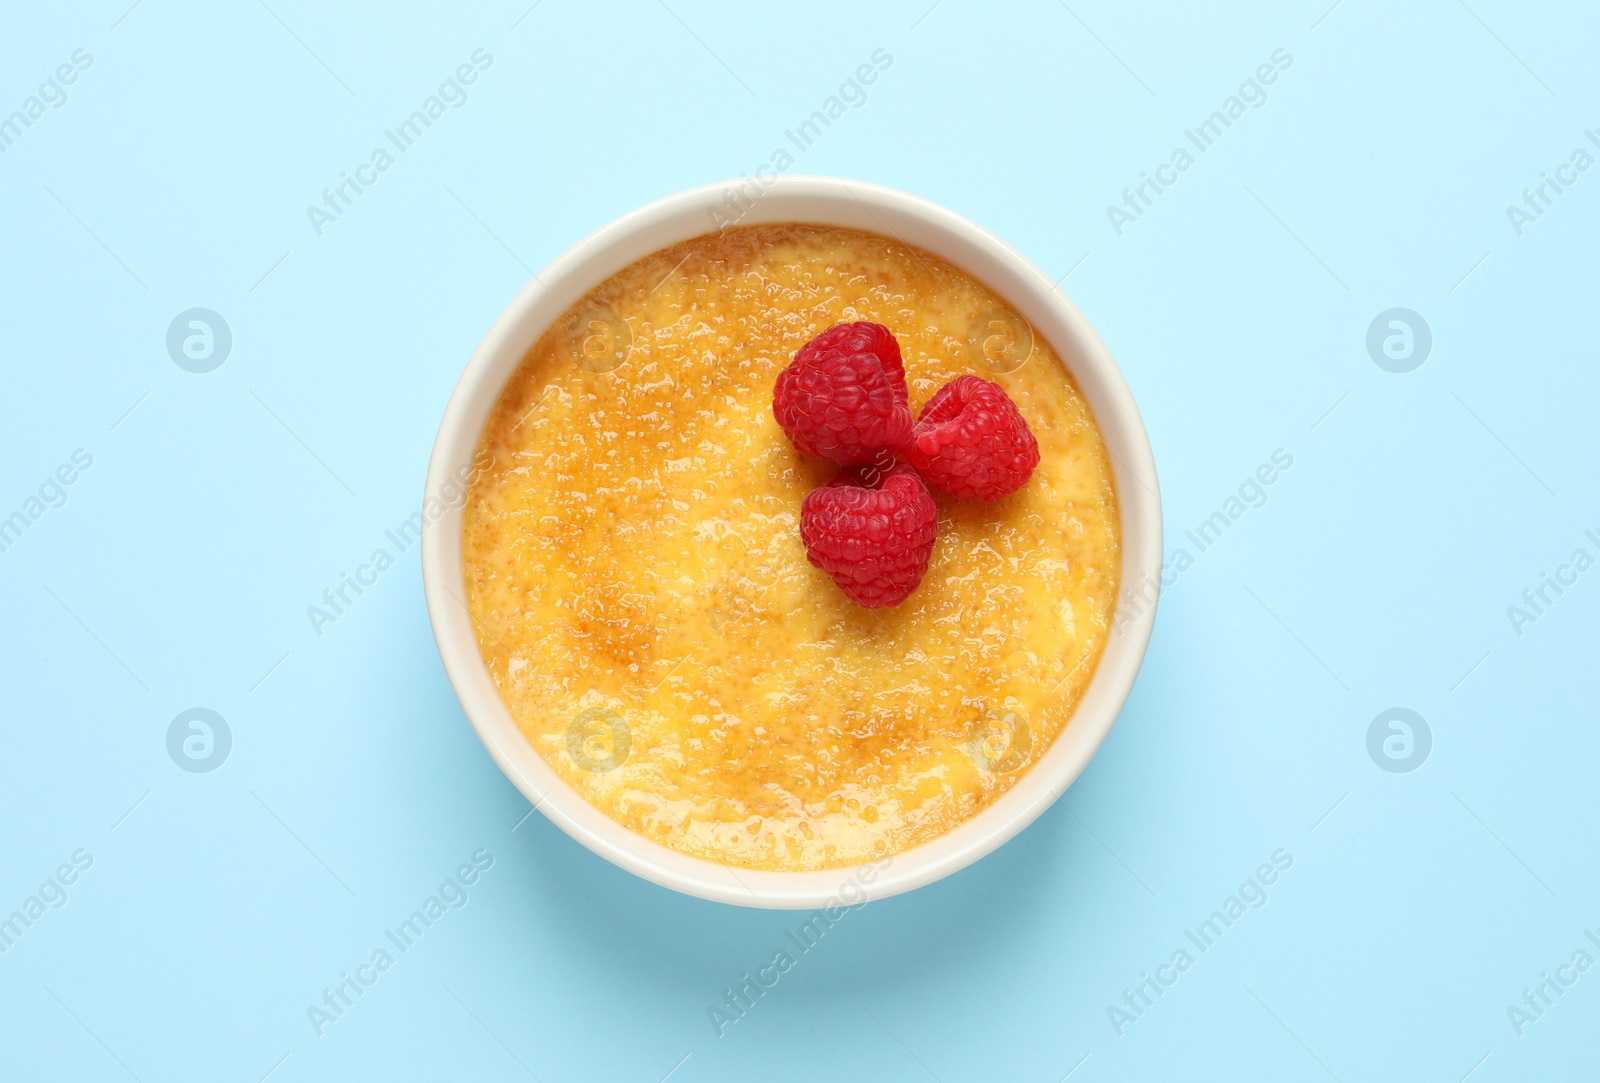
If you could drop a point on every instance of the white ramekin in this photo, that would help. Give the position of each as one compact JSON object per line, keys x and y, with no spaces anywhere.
{"x":820,"y":201}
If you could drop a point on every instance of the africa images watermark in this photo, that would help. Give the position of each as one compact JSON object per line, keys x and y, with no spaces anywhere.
{"x":51,"y":494}
{"x":199,"y":740}
{"x":999,"y":741}
{"x":1537,"y":1001}
{"x":199,"y":340}
{"x":452,"y":93}
{"x":452,"y":895}
{"x":1537,"y":600}
{"x":1251,"y":494}
{"x":337,"y":600}
{"x":1251,"y":93}
{"x":852,"y":94}
{"x":1251,"y":895}
{"x":52,"y":93}
{"x":740,"y":998}
{"x":1399,"y":740}
{"x":51,"y":895}
{"x":1542,"y":196}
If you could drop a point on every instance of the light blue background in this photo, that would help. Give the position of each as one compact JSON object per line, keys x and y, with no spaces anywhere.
{"x":1378,"y":574}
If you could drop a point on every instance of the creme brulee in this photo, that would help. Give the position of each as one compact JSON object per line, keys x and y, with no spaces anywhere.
{"x":644,"y":605}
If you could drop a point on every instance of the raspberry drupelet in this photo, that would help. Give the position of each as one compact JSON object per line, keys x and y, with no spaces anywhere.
{"x":843,"y":398}
{"x":972,"y":442}
{"x":872,"y":527}
{"x":871,"y":532}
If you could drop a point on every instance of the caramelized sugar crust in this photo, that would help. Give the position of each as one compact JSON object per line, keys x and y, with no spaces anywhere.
{"x":641,"y":598}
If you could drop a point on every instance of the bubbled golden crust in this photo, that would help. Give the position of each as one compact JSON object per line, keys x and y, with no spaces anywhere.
{"x":642,"y":600}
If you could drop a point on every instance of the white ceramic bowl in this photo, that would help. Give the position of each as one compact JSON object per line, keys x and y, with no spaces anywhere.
{"x":820,"y":201}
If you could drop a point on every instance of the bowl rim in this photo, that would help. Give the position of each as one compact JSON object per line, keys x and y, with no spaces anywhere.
{"x":813,"y":200}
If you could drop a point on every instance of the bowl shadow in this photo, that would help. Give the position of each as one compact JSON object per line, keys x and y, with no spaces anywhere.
{"x":636,"y":932}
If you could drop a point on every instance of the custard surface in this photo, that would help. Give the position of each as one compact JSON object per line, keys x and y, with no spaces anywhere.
{"x":640,"y":595}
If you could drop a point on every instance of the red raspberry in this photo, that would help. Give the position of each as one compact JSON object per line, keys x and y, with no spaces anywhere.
{"x":844,"y":396}
{"x":971,"y":442}
{"x":872,"y":532}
